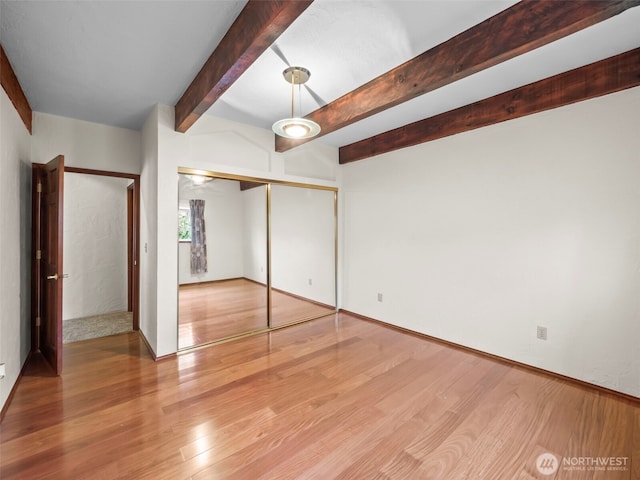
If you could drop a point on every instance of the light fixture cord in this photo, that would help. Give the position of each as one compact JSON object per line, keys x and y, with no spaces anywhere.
{"x":300,"y":98}
{"x":292,"y":93}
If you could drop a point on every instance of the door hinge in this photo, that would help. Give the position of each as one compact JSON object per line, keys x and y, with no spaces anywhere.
{"x":38,"y":254}
{"x":39,"y":187}
{"x":38,"y":320}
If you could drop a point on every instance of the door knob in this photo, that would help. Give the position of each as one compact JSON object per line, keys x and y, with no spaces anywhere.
{"x":55,"y":277}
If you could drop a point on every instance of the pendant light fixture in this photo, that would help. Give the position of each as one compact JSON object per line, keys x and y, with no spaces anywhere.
{"x":296,"y":127}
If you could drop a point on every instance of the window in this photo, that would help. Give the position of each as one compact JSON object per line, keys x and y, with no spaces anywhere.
{"x":184,"y":225}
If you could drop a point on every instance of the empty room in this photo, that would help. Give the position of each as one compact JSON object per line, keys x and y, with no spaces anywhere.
{"x":323,"y":239}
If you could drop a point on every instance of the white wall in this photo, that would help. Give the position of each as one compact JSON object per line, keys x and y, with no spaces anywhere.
{"x":149,"y":230}
{"x":254,"y":206}
{"x":224,"y":228}
{"x":95,"y":245}
{"x":480,"y":237}
{"x":15,"y":244}
{"x":220,"y":146}
{"x":303,"y":242}
{"x":85,"y":144}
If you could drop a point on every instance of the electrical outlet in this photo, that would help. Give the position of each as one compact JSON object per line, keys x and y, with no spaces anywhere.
{"x":380,"y":297}
{"x":542,"y":333}
{"x":310,"y":281}
{"x":2,"y":370}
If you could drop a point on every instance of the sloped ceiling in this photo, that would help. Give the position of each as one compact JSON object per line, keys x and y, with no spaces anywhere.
{"x":110,"y":62}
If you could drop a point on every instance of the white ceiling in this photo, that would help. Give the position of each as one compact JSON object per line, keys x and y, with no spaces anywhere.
{"x":111,"y":61}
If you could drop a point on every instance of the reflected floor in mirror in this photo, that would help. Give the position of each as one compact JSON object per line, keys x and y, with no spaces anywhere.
{"x":287,"y":308}
{"x":216,"y":310}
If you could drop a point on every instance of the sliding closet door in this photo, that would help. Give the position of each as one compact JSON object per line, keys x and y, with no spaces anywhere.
{"x":303,"y":247}
{"x":222,"y":250}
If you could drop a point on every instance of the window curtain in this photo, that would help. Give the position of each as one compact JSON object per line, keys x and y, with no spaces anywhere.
{"x":198,"y":238}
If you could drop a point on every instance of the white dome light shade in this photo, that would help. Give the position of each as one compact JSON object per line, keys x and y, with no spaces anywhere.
{"x":296,"y":128}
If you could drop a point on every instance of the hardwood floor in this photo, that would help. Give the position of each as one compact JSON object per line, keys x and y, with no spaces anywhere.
{"x":215,"y":310}
{"x":337,"y":397}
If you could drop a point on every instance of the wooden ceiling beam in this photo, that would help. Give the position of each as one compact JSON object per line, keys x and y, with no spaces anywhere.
{"x":259,"y":24}
{"x":11,"y":85}
{"x":601,"y":78}
{"x":521,"y":28}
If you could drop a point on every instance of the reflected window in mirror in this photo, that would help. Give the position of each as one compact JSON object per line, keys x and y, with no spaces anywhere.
{"x":184,"y":225}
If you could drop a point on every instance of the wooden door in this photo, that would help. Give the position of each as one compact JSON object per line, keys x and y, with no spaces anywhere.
{"x":47,"y":223}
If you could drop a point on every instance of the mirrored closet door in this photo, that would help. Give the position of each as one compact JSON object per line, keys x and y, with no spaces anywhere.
{"x":253,"y":255}
{"x":302,"y":253}
{"x":222,"y":256}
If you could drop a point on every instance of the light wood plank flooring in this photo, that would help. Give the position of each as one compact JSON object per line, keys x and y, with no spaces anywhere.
{"x":215,"y":310}
{"x":337,"y":397}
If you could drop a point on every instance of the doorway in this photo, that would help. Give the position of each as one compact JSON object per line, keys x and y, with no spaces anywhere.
{"x":88,"y":289}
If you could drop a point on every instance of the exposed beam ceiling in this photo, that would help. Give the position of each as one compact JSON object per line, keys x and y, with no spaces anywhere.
{"x":259,"y":24}
{"x":600,"y":78}
{"x":98,"y":68}
{"x":10,"y":83}
{"x":519,"y":29}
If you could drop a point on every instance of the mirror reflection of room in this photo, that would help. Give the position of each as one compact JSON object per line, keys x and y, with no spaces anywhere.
{"x":302,"y":253}
{"x":245,"y":267}
{"x":222,"y":230}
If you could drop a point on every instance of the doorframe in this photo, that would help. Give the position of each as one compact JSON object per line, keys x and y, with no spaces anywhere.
{"x":36,"y":268}
{"x":133,"y":238}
